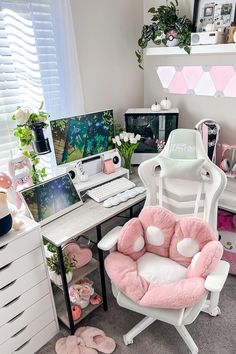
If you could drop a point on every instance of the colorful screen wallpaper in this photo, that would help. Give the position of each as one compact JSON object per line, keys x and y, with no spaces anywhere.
{"x":49,"y":198}
{"x":82,"y":136}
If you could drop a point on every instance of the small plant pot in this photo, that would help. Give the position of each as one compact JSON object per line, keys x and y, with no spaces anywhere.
{"x":172,"y":41}
{"x":40,"y":144}
{"x":56,"y":278}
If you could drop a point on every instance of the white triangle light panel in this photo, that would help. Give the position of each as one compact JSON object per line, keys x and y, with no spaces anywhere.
{"x":218,"y":81}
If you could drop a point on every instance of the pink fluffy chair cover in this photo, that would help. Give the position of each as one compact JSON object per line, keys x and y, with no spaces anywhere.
{"x":157,"y":231}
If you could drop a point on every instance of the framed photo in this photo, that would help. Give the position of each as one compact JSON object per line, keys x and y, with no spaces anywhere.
{"x":219,"y":13}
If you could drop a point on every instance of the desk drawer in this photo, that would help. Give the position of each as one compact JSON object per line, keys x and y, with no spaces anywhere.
{"x":25,"y":317}
{"x":22,"y":302}
{"x":38,"y":341}
{"x":26,"y":333}
{"x":19,"y":247}
{"x":20,"y":266}
{"x":21,"y":285}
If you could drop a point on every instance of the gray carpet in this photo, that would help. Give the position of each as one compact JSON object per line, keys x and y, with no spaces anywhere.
{"x":213,"y":335}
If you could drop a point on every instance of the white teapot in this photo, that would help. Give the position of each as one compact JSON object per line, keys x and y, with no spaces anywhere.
{"x":166,"y":104}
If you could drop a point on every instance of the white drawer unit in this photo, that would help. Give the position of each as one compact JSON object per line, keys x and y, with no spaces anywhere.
{"x":28,"y":318}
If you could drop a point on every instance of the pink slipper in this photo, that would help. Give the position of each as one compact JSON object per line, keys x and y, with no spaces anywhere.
{"x":72,"y":345}
{"x":95,"y":338}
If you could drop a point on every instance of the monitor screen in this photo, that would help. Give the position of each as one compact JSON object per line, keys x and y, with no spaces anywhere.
{"x":51,"y":199}
{"x":82,"y":136}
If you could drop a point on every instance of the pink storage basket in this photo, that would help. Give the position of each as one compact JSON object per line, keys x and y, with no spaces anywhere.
{"x":227,"y":232}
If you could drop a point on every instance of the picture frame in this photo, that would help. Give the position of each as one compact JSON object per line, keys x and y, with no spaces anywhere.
{"x":221,"y":13}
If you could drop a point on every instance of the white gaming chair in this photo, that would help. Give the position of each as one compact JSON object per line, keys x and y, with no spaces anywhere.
{"x":185,"y":195}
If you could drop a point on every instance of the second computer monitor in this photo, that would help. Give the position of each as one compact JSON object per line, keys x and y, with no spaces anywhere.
{"x":82,"y":136}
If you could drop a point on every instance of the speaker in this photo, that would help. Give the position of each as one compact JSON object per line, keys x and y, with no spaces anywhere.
{"x":214,"y":37}
{"x":116,"y":158}
{"x":73,"y":172}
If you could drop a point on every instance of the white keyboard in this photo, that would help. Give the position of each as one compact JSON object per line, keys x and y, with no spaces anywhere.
{"x":107,"y":190}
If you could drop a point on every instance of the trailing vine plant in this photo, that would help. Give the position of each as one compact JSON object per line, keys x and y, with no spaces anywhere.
{"x":164,"y":19}
{"x":25,"y":118}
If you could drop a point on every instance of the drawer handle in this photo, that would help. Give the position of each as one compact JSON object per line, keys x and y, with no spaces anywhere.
{"x":6,"y":266}
{"x":3,"y":247}
{"x":23,"y":345}
{"x":16,"y":317}
{"x":19,"y":332}
{"x":8,"y":285}
{"x":11,"y":302}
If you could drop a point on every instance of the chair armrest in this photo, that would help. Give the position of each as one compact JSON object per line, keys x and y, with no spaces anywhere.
{"x":215,"y":281}
{"x":110,"y":239}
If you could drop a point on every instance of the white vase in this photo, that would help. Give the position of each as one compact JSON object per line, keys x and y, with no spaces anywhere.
{"x":56,"y":278}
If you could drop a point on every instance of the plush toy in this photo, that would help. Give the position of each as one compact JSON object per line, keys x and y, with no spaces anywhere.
{"x":226,"y":221}
{"x":19,"y":169}
{"x":8,"y":217}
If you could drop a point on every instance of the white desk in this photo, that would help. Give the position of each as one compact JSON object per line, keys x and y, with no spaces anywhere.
{"x":82,"y":219}
{"x":75,"y":223}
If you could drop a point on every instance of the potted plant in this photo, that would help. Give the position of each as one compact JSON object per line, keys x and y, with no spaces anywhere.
{"x":29,"y":131}
{"x":166,"y":28}
{"x":55,"y":270}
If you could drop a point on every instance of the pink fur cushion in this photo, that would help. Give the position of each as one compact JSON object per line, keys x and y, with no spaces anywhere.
{"x":122,"y":270}
{"x":131,"y":239}
{"x":178,"y":295}
{"x":207,"y":260}
{"x":190,"y":236}
{"x":157,"y":231}
{"x":158,"y":224}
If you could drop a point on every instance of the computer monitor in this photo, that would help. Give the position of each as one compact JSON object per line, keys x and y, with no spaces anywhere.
{"x":82,"y":136}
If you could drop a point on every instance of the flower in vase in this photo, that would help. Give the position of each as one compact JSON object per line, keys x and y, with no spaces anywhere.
{"x":126,"y":144}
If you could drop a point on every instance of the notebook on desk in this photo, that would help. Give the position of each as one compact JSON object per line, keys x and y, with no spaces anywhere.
{"x":49,"y":200}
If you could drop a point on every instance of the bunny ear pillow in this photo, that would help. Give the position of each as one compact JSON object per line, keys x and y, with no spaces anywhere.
{"x":161,"y":262}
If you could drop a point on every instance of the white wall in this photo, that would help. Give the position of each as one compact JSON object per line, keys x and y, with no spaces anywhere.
{"x":106,"y":33}
{"x":192,"y":108}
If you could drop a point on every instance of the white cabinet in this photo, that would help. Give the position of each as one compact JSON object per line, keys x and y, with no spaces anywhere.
{"x":27,"y":312}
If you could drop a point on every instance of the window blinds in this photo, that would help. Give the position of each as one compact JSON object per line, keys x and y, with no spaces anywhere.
{"x":20,"y":75}
{"x":9,"y":96}
{"x":37,"y":63}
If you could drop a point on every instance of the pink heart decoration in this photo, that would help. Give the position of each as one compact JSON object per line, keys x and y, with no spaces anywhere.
{"x":79,"y":256}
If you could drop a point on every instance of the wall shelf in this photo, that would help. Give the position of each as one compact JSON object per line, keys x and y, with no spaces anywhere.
{"x":229,"y":48}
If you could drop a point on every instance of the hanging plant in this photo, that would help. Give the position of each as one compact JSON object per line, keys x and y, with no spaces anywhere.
{"x":29,"y":131}
{"x":165,"y":28}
